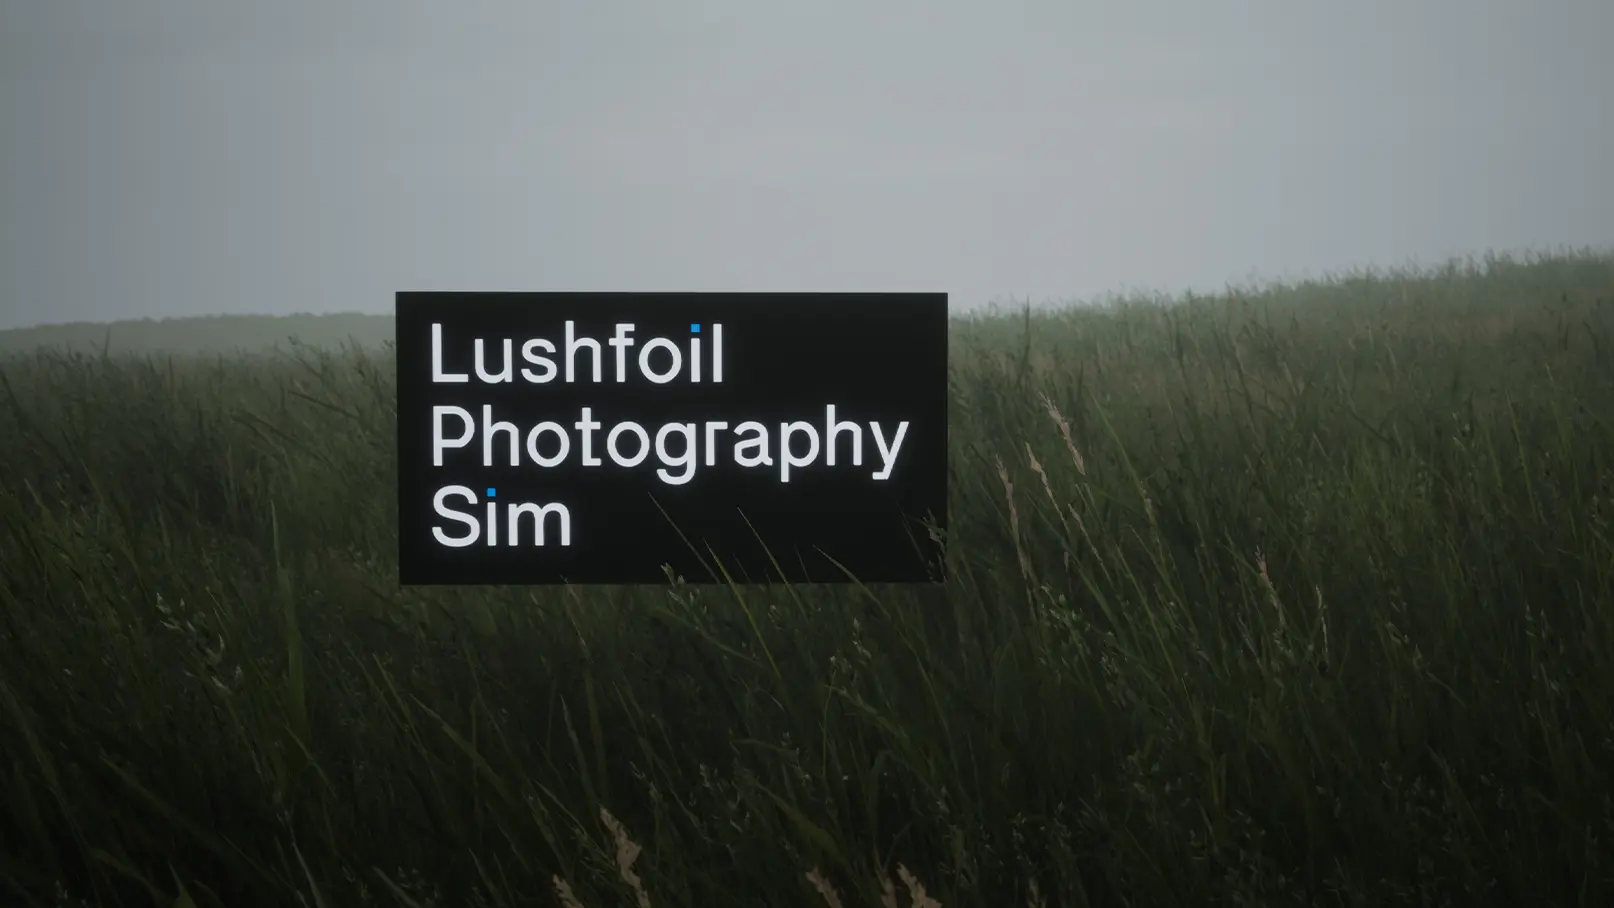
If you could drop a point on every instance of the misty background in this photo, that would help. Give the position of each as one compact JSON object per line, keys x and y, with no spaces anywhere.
{"x":183,"y":157}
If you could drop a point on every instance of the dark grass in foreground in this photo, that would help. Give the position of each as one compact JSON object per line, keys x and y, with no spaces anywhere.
{"x":1295,"y":597}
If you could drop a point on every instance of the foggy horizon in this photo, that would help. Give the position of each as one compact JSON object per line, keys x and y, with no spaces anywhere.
{"x":183,"y":158}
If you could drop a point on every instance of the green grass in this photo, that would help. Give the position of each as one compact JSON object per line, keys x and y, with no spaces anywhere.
{"x":212,"y":334}
{"x":1295,"y":596}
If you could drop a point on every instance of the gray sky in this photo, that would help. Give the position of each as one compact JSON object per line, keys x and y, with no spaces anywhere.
{"x":174,"y":157}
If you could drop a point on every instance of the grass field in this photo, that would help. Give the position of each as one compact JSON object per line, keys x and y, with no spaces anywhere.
{"x":1295,"y":596}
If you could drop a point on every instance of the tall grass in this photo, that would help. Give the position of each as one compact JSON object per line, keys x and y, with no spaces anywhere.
{"x":1297,"y":595}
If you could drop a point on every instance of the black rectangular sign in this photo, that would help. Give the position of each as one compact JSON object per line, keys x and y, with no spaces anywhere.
{"x":597,"y":437}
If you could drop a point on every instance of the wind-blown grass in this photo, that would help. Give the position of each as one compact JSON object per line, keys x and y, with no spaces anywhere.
{"x":1295,"y":596}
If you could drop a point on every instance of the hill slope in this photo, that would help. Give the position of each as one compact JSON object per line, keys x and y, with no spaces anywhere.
{"x":202,"y":334}
{"x":1493,"y":285}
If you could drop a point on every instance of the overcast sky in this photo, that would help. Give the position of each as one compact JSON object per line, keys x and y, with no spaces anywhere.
{"x":175,"y":157}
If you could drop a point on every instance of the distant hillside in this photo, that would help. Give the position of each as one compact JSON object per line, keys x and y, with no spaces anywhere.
{"x":206,"y":334}
{"x":1473,"y":287}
